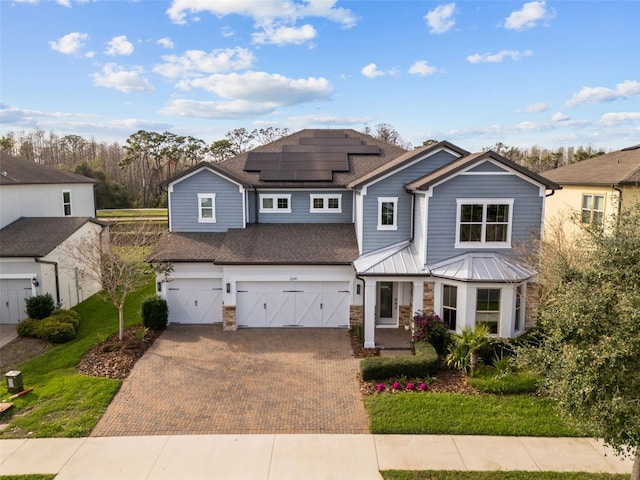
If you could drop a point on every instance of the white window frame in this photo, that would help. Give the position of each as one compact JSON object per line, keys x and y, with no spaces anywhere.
{"x":64,"y":204}
{"x":499,"y":311}
{"x":484,"y":202}
{"x":325,"y":203}
{"x":592,"y":209}
{"x":275,"y":198}
{"x":519,"y":307}
{"x":212,"y":197}
{"x":449,"y":307}
{"x":381,"y":201}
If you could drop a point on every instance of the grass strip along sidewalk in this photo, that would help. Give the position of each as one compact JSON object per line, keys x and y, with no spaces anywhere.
{"x":65,"y":403}
{"x":456,"y":475}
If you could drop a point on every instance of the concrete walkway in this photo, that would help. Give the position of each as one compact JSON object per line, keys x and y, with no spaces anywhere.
{"x":282,"y":457}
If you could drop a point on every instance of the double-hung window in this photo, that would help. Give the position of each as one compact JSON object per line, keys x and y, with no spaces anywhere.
{"x":275,"y":203}
{"x":484,"y":222}
{"x":488,"y":308}
{"x":387,"y":213}
{"x":592,"y":209}
{"x":331,"y":203}
{"x":66,"y":203}
{"x":207,"y":207}
{"x":517,"y":325}
{"x":449,"y":305}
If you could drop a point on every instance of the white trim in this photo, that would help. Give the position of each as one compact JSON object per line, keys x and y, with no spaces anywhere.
{"x":275,"y":199}
{"x":204,"y":167}
{"x":393,"y":200}
{"x":325,"y":202}
{"x":212,"y":197}
{"x":484,"y":202}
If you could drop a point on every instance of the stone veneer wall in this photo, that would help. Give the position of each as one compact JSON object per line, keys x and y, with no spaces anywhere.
{"x":356,"y":316}
{"x":229,"y":317}
{"x":532,"y":305}
{"x":405,"y":315}
{"x":427,"y":297}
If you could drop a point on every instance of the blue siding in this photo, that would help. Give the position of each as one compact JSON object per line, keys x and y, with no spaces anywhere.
{"x":527,"y":210}
{"x":300,"y":206}
{"x":394,"y":186}
{"x":486,"y":167}
{"x":184,"y":203}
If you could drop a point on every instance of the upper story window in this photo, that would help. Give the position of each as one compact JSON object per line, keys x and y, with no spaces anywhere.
{"x":275,"y":203}
{"x":592,"y":209}
{"x":488,"y":308}
{"x":66,"y":203}
{"x":325,"y":203}
{"x":387,"y":213}
{"x":484,"y":223}
{"x":207,"y":207}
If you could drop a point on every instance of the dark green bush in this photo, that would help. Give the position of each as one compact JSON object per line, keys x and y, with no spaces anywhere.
{"x":424,"y":363}
{"x":155,"y":313}
{"x":40,"y":306}
{"x":54,"y":331}
{"x":429,"y":327}
{"x":28,"y":327}
{"x":68,"y":316}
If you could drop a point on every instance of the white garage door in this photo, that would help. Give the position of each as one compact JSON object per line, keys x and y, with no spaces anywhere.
{"x":292,"y":304}
{"x":195,"y":300}
{"x":12,"y":299}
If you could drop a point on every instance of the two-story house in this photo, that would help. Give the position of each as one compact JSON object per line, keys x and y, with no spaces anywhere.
{"x":43,"y":211}
{"x":331,"y":228}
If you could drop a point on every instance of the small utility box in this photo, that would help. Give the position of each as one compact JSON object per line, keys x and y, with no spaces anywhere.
{"x":14,"y":381}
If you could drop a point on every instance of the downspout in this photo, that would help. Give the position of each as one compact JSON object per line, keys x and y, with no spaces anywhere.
{"x":55,"y":269}
{"x":619,"y":198}
{"x":413,"y":214}
{"x":364,"y":282}
{"x":256,"y":202}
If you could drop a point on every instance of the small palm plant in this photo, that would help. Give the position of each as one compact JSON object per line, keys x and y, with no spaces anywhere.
{"x":463,"y":352}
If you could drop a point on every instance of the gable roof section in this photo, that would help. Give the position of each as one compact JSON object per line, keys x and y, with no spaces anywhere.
{"x":212,"y":167}
{"x":264,"y":244}
{"x":482,"y":267}
{"x":16,"y":171}
{"x":405,"y":159}
{"x":400,"y":259}
{"x":38,"y":236}
{"x":615,"y":168}
{"x":469,"y":161}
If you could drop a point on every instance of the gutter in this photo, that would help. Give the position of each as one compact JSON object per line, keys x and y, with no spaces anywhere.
{"x":55,"y":269}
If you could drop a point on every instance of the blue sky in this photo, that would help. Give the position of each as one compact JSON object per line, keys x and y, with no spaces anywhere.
{"x":546,"y":73}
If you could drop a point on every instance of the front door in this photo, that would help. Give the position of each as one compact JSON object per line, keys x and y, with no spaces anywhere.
{"x":387,"y":304}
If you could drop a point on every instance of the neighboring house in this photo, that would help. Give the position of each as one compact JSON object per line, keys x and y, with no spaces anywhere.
{"x":594,"y":190}
{"x":44,"y":213}
{"x":332,"y":228}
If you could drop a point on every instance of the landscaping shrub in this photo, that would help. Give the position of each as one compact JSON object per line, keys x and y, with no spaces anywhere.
{"x":424,"y":363}
{"x":68,"y":316}
{"x":28,"y":327}
{"x":488,"y":380}
{"x":155,"y":313}
{"x":40,"y":306}
{"x":429,"y":327}
{"x":55,"y":331}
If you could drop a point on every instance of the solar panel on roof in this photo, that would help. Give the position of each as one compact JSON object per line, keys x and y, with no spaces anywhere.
{"x":330,"y":141}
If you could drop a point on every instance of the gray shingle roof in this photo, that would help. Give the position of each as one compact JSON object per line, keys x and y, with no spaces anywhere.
{"x":615,"y":168}
{"x":38,"y":236}
{"x":16,"y":171}
{"x":268,"y":244}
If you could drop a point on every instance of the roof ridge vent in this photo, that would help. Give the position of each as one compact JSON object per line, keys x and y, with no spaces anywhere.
{"x":634,"y":147}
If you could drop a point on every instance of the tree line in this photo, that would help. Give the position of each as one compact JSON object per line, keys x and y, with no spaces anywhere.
{"x":132,"y":175}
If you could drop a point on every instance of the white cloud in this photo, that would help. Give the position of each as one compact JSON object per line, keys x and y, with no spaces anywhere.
{"x":560,"y":117}
{"x":71,"y":44}
{"x":227,"y":32}
{"x":119,"y":46}
{"x":440,"y":19}
{"x":498,"y":57}
{"x":284,"y":35}
{"x":324,"y":119}
{"x":212,"y":109}
{"x":118,"y":78}
{"x":194,"y":62}
{"x":528,"y":16}
{"x":265,"y":88}
{"x":536,"y":107}
{"x":422,"y":67}
{"x":371,"y":71}
{"x":626,"y":89}
{"x":617,"y":118}
{"x":165,"y":42}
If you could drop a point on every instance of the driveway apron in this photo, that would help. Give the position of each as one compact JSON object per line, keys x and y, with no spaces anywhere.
{"x":201,"y":380}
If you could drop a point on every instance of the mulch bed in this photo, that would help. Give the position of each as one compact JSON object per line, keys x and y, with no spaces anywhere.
{"x":114,"y":358}
{"x":358,"y":350}
{"x":445,"y":381}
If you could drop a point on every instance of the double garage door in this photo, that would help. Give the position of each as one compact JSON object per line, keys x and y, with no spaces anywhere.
{"x":292,"y":304}
{"x":195,"y":300}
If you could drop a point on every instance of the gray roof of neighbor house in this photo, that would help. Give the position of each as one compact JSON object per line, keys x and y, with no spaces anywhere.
{"x":268,"y":244}
{"x":616,"y":168}
{"x":425,"y":182}
{"x":16,"y":171}
{"x":38,"y":236}
{"x":317,"y":158}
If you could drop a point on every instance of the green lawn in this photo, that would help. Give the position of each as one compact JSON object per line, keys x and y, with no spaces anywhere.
{"x":457,"y":414}
{"x":65,"y":403}
{"x":36,"y":476}
{"x":456,"y":475}
{"x":132,"y":212}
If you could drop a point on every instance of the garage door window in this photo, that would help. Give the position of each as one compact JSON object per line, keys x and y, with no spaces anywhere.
{"x":207,"y":207}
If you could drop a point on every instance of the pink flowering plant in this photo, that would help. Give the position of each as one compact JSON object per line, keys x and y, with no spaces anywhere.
{"x":402,"y":384}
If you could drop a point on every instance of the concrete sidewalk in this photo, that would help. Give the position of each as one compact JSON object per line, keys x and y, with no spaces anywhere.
{"x":281,"y":457}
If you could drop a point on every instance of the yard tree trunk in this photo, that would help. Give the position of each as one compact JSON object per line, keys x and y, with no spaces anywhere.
{"x":121,"y":321}
{"x":635,"y":471}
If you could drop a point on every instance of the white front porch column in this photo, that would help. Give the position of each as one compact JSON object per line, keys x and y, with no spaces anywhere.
{"x":370,"y":314}
{"x":418,"y":293}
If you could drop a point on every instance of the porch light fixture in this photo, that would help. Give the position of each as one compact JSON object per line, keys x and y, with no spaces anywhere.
{"x":358,"y":289}
{"x":34,"y":282}
{"x":228,"y":288}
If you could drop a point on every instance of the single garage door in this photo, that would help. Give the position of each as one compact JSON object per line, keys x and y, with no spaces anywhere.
{"x":292,"y":304}
{"x":195,"y":300}
{"x":12,"y":297}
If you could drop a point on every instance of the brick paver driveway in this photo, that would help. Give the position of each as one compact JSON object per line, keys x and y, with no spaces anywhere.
{"x":201,"y":380}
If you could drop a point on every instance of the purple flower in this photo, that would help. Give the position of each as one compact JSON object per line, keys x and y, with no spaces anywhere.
{"x":380,"y":387}
{"x":422,"y":387}
{"x":410,"y":386}
{"x":397,"y":386}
